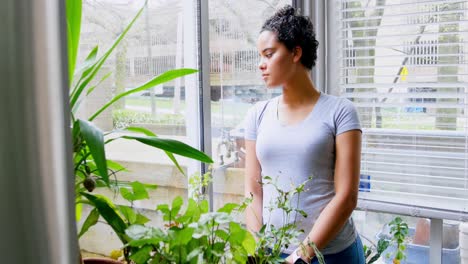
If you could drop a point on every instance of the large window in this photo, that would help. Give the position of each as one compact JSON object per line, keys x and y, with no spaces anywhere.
{"x":404,"y":65}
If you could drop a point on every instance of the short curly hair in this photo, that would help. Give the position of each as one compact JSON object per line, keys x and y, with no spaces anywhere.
{"x":294,"y":30}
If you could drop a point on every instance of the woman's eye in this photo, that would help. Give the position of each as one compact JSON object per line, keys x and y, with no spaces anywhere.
{"x":269,"y":55}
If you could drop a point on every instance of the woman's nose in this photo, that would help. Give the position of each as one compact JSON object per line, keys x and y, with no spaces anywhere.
{"x":261,"y":65}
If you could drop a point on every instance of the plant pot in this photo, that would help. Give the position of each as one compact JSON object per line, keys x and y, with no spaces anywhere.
{"x":96,"y":260}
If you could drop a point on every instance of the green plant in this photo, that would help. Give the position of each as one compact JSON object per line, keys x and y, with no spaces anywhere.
{"x":272,"y":240}
{"x":372,"y":256}
{"x":91,"y":167}
{"x":399,"y":232}
{"x":195,"y":236}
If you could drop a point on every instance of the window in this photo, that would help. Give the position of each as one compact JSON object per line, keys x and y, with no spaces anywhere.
{"x":235,"y":85}
{"x":403,"y":64}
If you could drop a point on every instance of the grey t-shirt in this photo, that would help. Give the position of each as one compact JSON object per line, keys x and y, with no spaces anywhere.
{"x":290,"y":154}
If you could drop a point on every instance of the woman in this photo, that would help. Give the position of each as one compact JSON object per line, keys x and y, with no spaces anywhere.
{"x":299,"y":134}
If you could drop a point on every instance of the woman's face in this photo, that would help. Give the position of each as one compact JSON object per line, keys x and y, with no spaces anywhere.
{"x":277,"y":63}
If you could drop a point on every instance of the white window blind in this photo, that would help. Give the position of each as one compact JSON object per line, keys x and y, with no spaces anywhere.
{"x":404,"y":64}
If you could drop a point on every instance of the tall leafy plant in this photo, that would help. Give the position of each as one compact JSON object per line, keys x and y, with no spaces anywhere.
{"x":399,"y":231}
{"x":91,"y":167}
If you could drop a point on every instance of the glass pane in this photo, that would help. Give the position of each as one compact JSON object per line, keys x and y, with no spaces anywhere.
{"x":235,"y":86}
{"x":151,"y":47}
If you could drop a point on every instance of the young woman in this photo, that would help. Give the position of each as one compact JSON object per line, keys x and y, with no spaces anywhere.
{"x":299,"y":134}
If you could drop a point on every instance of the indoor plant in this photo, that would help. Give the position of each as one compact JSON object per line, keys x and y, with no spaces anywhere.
{"x":91,"y":167}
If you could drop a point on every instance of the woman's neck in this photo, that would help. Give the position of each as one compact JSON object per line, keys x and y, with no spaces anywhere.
{"x":299,"y":91}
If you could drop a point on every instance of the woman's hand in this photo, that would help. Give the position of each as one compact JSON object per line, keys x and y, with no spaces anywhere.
{"x":289,"y":260}
{"x":295,"y":256}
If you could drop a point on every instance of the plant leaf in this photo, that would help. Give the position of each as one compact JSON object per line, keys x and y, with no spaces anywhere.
{"x":149,"y":133}
{"x":228,"y":208}
{"x":249,"y":243}
{"x":90,"y":90}
{"x":141,"y":219}
{"x":128,"y":213}
{"x":141,"y":130}
{"x":162,"y":78}
{"x":85,"y":68}
{"x":176,"y":205}
{"x":126,"y":194}
{"x":182,"y":236}
{"x":172,"y":146}
{"x":194,"y":253}
{"x":91,"y":220}
{"x":109,"y":212}
{"x":95,"y":68}
{"x":78,"y":208}
{"x":95,"y":140}
{"x":142,"y":255}
{"x":115,"y":166}
{"x":73,"y":12}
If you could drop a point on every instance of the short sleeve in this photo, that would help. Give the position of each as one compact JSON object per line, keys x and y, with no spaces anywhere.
{"x":346,"y":118}
{"x":250,"y":124}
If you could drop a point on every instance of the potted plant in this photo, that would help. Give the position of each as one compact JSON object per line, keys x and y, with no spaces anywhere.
{"x":199,"y":236}
{"x":92,"y":169}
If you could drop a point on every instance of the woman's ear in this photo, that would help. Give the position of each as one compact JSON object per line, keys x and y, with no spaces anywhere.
{"x":297,"y":54}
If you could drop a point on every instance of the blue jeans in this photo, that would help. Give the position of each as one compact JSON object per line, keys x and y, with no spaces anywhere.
{"x":354,"y":254}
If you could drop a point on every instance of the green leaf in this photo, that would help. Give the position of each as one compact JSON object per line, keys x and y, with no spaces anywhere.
{"x":112,"y":165}
{"x":91,"y":89}
{"x":128,"y":213}
{"x":86,"y":68}
{"x":162,"y":78}
{"x":89,"y":61}
{"x":228,"y":208}
{"x":149,"y":133}
{"x":176,"y":163}
{"x":382,"y":245}
{"x":191,"y":214}
{"x":141,"y":219}
{"x":182,"y":236}
{"x":303,"y":213}
{"x":91,"y":220}
{"x":374,"y":259}
{"x":176,"y":205}
{"x":194,"y":253}
{"x":95,"y":141}
{"x":136,"y":232}
{"x":126,"y":194}
{"x":109,"y":212}
{"x":141,"y":130}
{"x":139,"y":191}
{"x":249,"y":243}
{"x":78,"y":208}
{"x":164,"y":208}
{"x":95,"y":68}
{"x":142,"y":255}
{"x":173,"y":146}
{"x":222,"y":234}
{"x":204,"y":206}
{"x":399,"y":255}
{"x":73,"y":13}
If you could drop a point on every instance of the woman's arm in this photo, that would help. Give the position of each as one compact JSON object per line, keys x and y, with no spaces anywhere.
{"x":336,"y":213}
{"x":253,"y":213}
